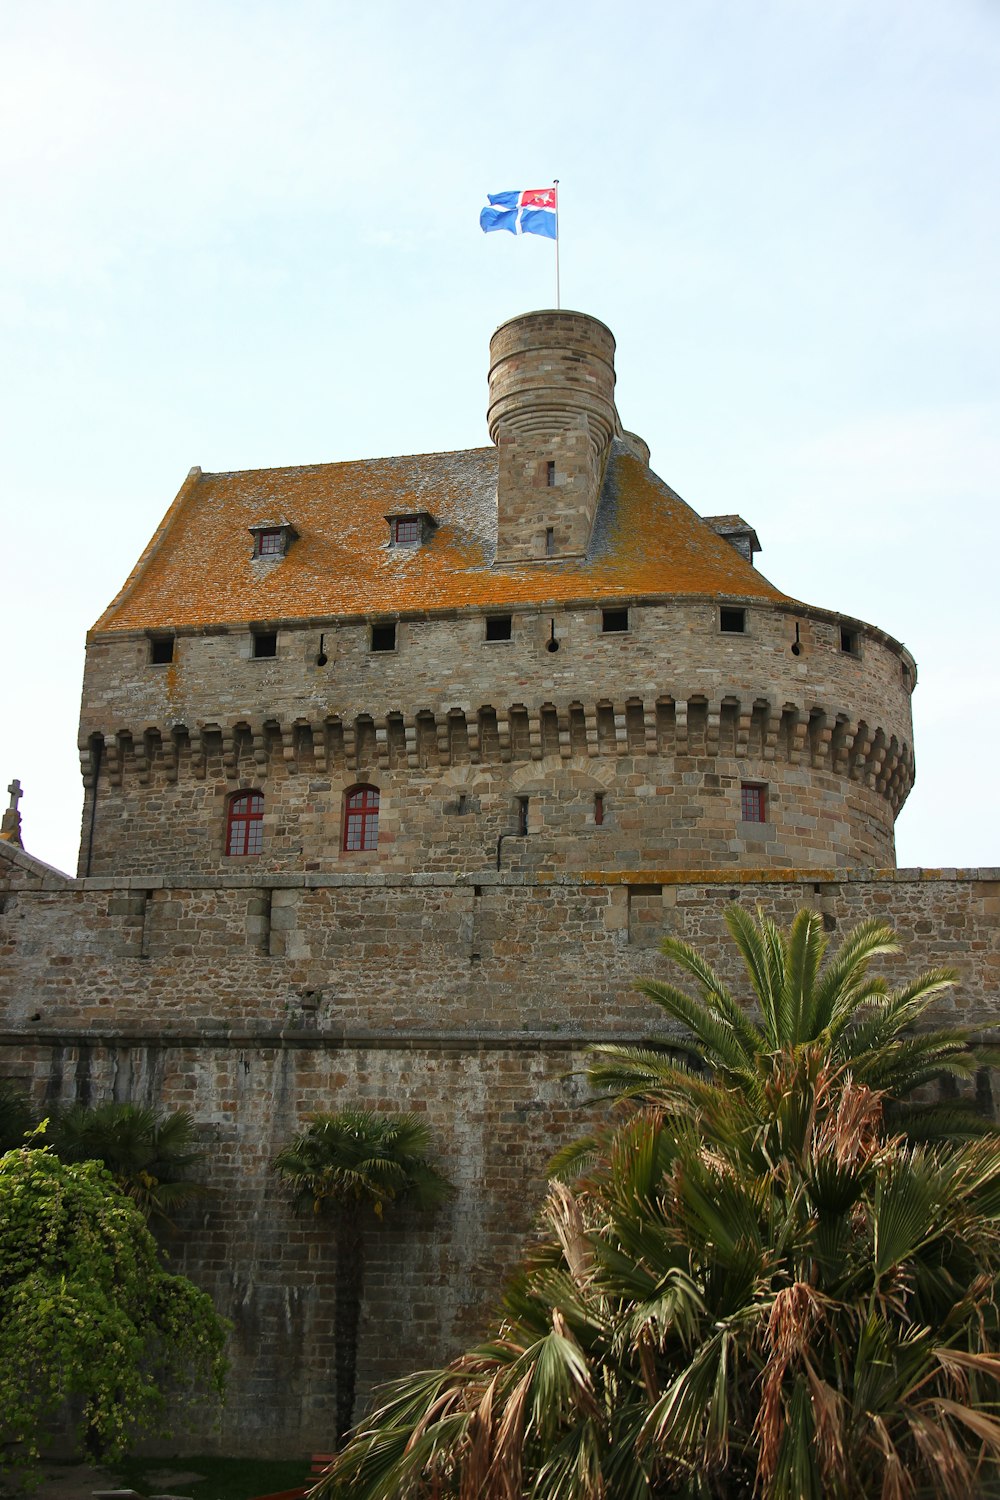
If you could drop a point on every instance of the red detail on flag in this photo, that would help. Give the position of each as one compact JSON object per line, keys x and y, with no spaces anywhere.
{"x":538,"y":198}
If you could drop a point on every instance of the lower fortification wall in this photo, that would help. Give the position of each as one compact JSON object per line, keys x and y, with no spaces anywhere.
{"x":468,"y":999}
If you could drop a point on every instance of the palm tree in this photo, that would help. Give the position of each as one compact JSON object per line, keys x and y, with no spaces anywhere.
{"x":852,"y":1015}
{"x":760,"y":1286}
{"x":145,"y":1153}
{"x":354,"y":1163}
{"x":803,"y":1311}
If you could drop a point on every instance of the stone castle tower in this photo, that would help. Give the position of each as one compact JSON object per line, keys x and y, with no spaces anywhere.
{"x":397,"y":772}
{"x":528,"y":657}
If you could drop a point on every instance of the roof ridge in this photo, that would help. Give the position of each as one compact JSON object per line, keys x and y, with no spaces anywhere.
{"x":344,"y":463}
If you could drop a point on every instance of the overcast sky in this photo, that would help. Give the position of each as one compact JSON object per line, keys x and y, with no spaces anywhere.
{"x":246,"y":234}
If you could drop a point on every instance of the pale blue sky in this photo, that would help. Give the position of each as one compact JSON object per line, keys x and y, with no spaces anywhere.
{"x":247,"y":234}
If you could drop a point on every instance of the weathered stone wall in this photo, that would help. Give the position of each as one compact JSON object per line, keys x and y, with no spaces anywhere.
{"x":676,"y":713}
{"x":467,"y":999}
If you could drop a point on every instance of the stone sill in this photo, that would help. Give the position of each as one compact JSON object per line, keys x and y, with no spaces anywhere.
{"x":493,"y":879}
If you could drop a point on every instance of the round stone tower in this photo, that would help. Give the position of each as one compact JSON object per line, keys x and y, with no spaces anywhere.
{"x":552,"y":416}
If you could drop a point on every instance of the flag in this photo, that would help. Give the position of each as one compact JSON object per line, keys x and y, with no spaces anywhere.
{"x":530,"y":211}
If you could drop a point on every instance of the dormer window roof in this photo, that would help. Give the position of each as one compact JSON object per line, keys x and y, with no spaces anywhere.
{"x":737,"y":532}
{"x":410,"y":528}
{"x":272,"y":538}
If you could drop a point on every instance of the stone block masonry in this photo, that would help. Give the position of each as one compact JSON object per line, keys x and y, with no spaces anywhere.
{"x":453,"y":729}
{"x":469,"y":999}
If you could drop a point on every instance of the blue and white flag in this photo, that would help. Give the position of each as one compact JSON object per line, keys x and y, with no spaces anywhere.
{"x":529,"y":211}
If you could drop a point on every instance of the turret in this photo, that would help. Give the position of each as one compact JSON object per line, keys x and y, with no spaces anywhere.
{"x":552,"y":416}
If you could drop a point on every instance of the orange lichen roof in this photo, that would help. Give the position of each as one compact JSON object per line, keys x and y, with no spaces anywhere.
{"x":198,"y":569}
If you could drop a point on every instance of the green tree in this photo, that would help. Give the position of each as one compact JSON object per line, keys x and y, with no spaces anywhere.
{"x":147,"y":1154}
{"x":356,"y":1163}
{"x":90,"y":1323}
{"x":758,"y":1287}
{"x":16,"y":1117}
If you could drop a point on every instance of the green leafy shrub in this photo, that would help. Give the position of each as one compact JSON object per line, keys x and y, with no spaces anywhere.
{"x":91,"y":1326}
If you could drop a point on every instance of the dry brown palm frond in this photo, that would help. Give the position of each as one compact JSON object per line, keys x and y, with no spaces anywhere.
{"x":477,"y":1454}
{"x":508,"y":1452}
{"x":897,"y":1482}
{"x":851,"y":1131}
{"x":985,"y":1427}
{"x":828,"y":1414}
{"x":795,"y":1312}
{"x":987,"y":1362}
{"x":942,"y":1455}
{"x":564,"y":1214}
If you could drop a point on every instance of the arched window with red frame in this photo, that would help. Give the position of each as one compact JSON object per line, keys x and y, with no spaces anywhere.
{"x":245,"y":823}
{"x":361,"y":819}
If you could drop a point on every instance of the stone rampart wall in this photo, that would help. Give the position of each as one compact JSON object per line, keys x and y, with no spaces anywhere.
{"x":469,"y":1000}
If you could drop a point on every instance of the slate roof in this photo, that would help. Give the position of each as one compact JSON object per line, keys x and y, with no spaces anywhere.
{"x":198,"y":569}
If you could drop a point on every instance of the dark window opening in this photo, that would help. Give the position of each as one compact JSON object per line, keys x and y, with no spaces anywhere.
{"x":849,"y":641}
{"x":550,"y":473}
{"x":361,"y":819}
{"x":383,"y":637}
{"x":245,"y":823}
{"x":498,"y":627}
{"x":614,"y":619}
{"x":161,"y":650}
{"x":753,"y":806}
{"x":733,"y":621}
{"x":265,"y":643}
{"x":599,"y":808}
{"x":463,"y":804}
{"x":522,"y":816}
{"x":550,"y":541}
{"x":406,"y":531}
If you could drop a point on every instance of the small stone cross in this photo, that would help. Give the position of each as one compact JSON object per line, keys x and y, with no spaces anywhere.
{"x":10,"y":823}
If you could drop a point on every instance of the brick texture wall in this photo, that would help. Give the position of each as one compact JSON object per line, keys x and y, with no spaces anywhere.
{"x":469,"y":1000}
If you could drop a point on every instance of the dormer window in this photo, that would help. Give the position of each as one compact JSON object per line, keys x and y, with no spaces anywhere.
{"x":272,"y":538}
{"x":405,"y":532}
{"x":737,"y":532}
{"x":410,"y":529}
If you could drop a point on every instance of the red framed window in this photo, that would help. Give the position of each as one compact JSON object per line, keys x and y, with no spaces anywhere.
{"x":361,"y":818}
{"x":406,"y":531}
{"x":753,"y":803}
{"x":270,"y":543}
{"x":245,"y":823}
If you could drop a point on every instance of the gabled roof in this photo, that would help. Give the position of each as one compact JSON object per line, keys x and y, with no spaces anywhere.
{"x":198,"y":570}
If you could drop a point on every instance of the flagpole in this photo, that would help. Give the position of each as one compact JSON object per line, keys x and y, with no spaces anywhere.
{"x":555,"y":181}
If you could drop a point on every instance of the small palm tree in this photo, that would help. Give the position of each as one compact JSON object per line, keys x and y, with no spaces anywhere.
{"x":853,"y":1018}
{"x":355,"y":1163}
{"x":728,"y":1308}
{"x":147,"y":1154}
{"x":759,"y":1286}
